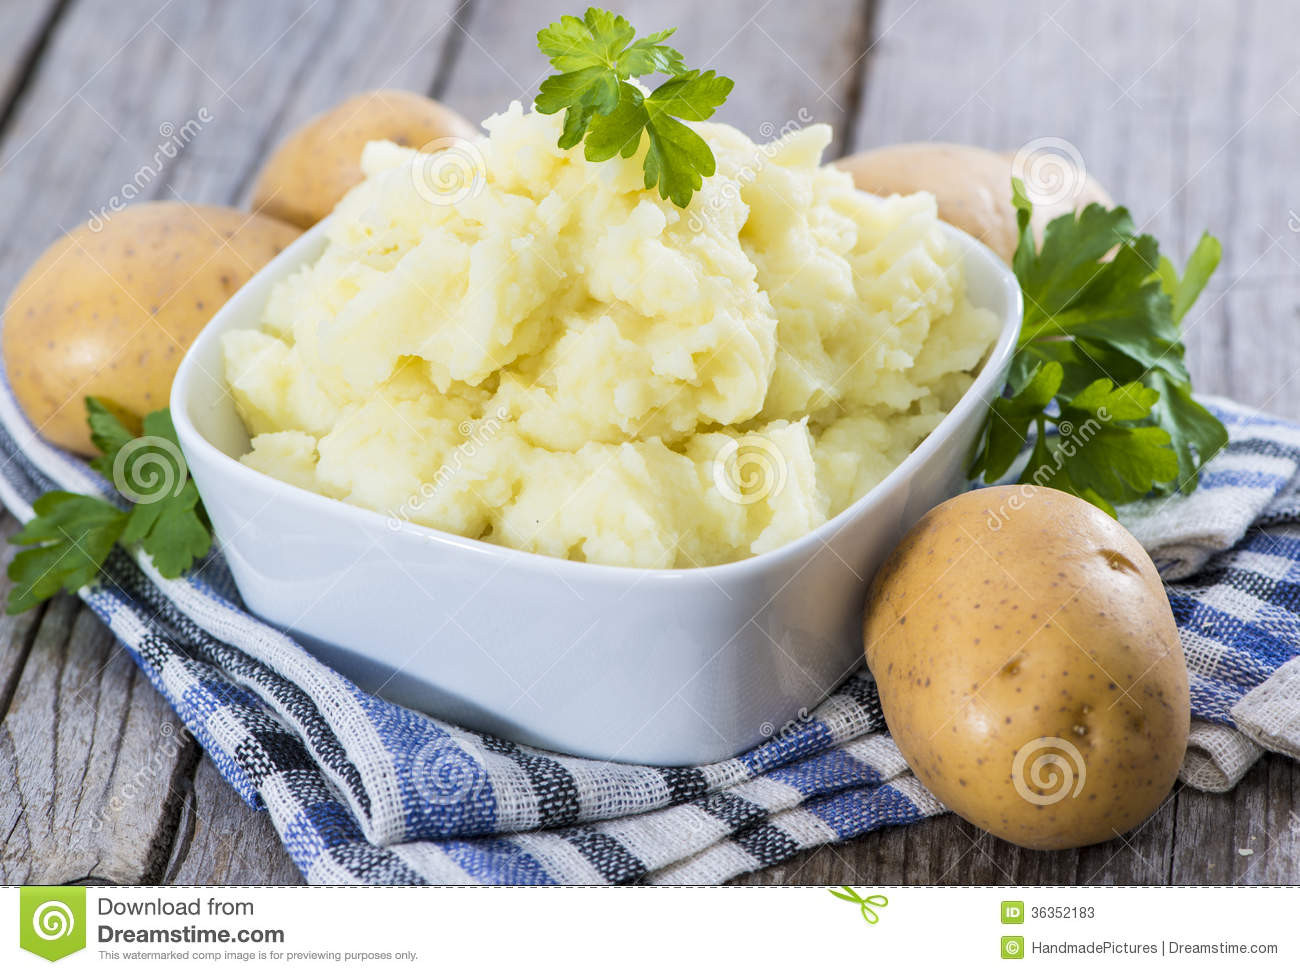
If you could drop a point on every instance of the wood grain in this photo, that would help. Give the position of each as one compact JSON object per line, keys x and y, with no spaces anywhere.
{"x":1186,"y":111}
{"x":88,"y":754}
{"x":219,"y":840}
{"x":24,"y":28}
{"x":810,"y":65}
{"x":92,"y":782}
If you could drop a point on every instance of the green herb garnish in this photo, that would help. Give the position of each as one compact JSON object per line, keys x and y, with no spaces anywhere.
{"x":1098,"y":373}
{"x":72,"y":534}
{"x":597,"y":55}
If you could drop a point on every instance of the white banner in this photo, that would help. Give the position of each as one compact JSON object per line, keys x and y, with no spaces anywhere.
{"x":660,"y":930}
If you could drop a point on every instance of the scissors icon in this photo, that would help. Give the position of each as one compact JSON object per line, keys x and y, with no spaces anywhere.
{"x":865,"y":903}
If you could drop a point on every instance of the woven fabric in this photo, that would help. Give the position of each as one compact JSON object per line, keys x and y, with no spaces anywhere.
{"x":364,"y":791}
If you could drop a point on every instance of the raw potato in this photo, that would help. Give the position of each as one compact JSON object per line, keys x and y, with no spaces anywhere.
{"x":319,"y":162}
{"x":972,"y":186}
{"x":1029,"y":666}
{"x":110,"y":313}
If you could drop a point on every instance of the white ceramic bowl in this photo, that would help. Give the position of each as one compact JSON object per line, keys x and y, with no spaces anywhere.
{"x":662,"y":666}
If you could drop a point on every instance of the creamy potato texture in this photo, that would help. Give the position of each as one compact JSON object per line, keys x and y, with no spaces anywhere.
{"x":556,"y":360}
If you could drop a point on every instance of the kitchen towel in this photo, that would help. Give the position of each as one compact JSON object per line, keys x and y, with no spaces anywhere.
{"x":364,"y":791}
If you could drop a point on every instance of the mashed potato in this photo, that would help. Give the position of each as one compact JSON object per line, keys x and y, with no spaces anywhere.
{"x":561,"y":362}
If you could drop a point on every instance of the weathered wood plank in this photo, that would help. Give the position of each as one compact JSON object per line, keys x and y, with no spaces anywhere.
{"x":96,"y":118}
{"x":261,"y":80}
{"x":221,"y":840}
{"x":23,"y":28}
{"x":1188,"y":112}
{"x":88,"y":754}
{"x":787,"y":68}
{"x":16,"y":632}
{"x":1248,"y":836}
{"x":91,"y":785}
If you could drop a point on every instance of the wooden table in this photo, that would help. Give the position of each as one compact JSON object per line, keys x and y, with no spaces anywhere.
{"x":1188,"y":112}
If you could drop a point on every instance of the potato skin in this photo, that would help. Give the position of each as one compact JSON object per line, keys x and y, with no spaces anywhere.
{"x":1014,"y":614}
{"x":111,"y":313}
{"x":971,"y":185}
{"x":313,"y":168}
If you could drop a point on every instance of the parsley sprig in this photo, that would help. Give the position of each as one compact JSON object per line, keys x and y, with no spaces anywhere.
{"x":1098,"y":375}
{"x":71,"y":535}
{"x":597,"y":56}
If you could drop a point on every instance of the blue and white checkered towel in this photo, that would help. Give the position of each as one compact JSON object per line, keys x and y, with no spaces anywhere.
{"x":363,"y":791}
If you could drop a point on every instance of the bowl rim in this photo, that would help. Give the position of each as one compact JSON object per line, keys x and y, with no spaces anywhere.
{"x":980,"y":392}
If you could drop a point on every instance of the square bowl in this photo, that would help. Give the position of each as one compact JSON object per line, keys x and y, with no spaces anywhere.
{"x":661,"y":666}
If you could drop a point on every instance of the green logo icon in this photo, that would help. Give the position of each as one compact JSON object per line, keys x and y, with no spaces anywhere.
{"x":867,"y":904}
{"x":1013,"y":912}
{"x":52,"y":920}
{"x":1013,"y":946}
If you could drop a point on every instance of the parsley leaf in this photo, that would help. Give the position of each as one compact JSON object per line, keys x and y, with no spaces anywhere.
{"x":1195,"y":433}
{"x":692,"y":95}
{"x":591,"y":54}
{"x":618,"y":132}
{"x":71,"y":535}
{"x":1011,"y":416}
{"x":595,"y":40}
{"x":107,"y":432}
{"x":1185,"y":290}
{"x":1121,"y":460}
{"x":1098,"y":373}
{"x":648,"y":56}
{"x":172,"y":529}
{"x":597,"y":55}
